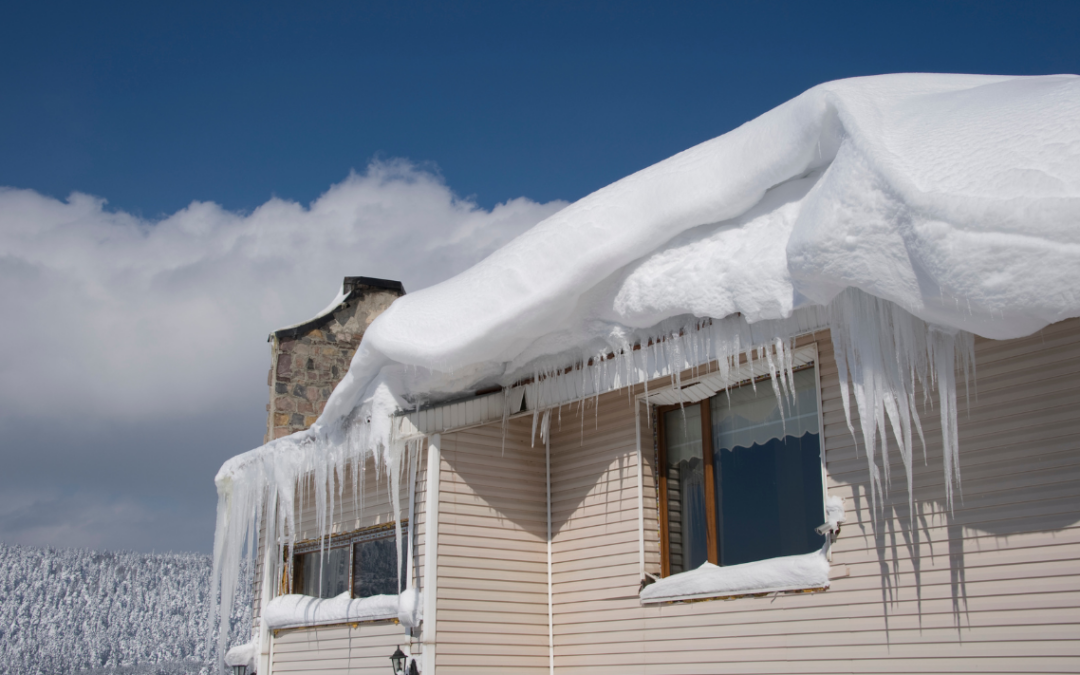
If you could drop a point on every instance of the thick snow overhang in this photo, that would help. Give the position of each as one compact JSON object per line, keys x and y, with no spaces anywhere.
{"x":904,"y":212}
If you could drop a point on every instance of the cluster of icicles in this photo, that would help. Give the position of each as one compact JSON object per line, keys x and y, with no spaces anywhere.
{"x":884,"y":355}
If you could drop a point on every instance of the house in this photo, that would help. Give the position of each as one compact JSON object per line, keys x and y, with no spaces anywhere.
{"x":801,"y":399}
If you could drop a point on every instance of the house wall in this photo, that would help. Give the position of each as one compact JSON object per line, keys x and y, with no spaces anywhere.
{"x":492,"y":565}
{"x":492,"y":570}
{"x":595,"y":547}
{"x":991,"y":587}
{"x":345,"y":649}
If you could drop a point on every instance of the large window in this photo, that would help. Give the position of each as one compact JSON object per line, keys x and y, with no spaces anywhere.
{"x":363,"y":562}
{"x":742,"y":478}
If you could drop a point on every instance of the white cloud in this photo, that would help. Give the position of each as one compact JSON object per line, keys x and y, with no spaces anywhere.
{"x":110,"y":315}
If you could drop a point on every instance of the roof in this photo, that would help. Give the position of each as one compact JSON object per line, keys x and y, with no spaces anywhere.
{"x":954,"y":198}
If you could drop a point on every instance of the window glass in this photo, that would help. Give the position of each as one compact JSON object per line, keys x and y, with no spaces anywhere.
{"x":769,"y":494}
{"x":743,"y":417}
{"x":363,"y":562}
{"x":375,"y":568}
{"x":328,"y":579}
{"x":687,"y":547}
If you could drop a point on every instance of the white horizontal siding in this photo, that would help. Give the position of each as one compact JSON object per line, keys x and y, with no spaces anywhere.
{"x":492,"y":581}
{"x":991,"y":587}
{"x":345,"y":649}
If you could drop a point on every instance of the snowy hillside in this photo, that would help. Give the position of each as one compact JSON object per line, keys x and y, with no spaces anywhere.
{"x":69,"y":610}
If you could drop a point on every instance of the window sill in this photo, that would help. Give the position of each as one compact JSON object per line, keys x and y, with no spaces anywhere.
{"x":809,"y":571}
{"x":293,"y":611}
{"x":242,"y":655}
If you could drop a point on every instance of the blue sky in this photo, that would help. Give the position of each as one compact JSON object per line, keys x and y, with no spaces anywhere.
{"x":138,"y":359}
{"x":152,"y":105}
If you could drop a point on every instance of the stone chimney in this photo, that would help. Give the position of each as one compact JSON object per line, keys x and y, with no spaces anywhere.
{"x":309,"y":359}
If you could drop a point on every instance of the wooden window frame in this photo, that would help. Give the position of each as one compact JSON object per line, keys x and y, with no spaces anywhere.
{"x":712,"y":485}
{"x":344,"y":540}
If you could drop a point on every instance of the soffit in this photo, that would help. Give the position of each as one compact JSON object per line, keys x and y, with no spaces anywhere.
{"x":706,"y":386}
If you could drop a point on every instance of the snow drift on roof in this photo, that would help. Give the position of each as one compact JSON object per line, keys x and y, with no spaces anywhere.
{"x":914,"y":210}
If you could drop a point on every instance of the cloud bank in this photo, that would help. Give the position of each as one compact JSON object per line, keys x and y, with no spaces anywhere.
{"x":116,"y":322}
{"x":132,"y":318}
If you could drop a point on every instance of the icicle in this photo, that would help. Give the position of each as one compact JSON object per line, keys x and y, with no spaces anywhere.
{"x":774,"y":377}
{"x":648,"y":408}
{"x":885,"y":352}
{"x":944,"y":356}
{"x":545,"y":426}
{"x":394,"y":468}
{"x":262,"y":493}
{"x":535,"y":421}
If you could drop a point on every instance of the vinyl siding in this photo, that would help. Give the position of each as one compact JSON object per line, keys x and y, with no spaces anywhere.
{"x":992,"y":586}
{"x":492,"y":576}
{"x":346,"y":649}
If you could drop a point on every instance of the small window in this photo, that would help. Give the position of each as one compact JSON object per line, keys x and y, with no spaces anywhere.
{"x":741,"y":481}
{"x":375,"y":568}
{"x":364,"y":561}
{"x":327,"y":580}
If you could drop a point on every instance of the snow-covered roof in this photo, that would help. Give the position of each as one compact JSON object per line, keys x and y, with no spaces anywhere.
{"x":953,"y":196}
{"x":906,"y":212}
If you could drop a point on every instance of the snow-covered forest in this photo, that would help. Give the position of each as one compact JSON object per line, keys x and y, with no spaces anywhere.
{"x":108,"y":613}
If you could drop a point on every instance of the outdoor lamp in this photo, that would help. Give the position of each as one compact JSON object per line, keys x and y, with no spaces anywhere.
{"x":239,"y":670}
{"x":398,"y":661}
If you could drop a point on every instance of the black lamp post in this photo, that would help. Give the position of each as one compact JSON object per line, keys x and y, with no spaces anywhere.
{"x":398,"y":661}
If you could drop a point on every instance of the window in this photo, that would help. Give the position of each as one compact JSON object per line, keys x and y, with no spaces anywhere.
{"x":741,"y":481}
{"x":363,"y":562}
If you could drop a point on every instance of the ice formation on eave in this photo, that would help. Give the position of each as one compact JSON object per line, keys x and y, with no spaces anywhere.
{"x":905,"y":212}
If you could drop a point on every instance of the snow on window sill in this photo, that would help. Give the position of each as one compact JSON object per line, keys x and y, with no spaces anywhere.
{"x":292,"y":611}
{"x":242,"y":655}
{"x":787,"y":573}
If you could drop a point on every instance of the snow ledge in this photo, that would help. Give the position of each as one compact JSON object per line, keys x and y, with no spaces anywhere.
{"x":787,"y":573}
{"x":242,"y":655}
{"x":292,"y":611}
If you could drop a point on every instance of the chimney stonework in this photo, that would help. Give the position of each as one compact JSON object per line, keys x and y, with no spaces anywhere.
{"x":308,"y":360}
